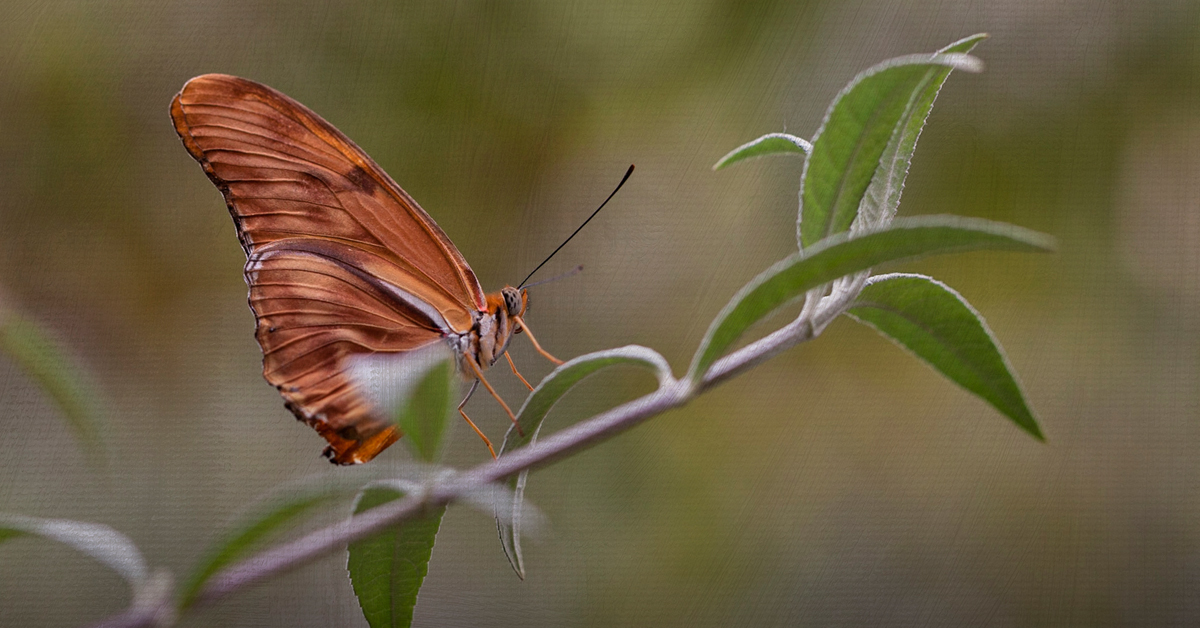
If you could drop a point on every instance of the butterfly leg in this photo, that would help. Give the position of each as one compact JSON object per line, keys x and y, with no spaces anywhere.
{"x":479,"y":377}
{"x":478,"y":431}
{"x":536,"y":345}
{"x":516,"y":372}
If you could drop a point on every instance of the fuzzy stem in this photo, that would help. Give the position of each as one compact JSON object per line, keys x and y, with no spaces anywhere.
{"x":672,"y":394}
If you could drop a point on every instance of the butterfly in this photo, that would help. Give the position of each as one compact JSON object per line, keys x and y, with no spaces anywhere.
{"x":340,"y":261}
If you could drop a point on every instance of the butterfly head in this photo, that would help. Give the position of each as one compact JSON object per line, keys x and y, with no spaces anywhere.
{"x":516,"y":300}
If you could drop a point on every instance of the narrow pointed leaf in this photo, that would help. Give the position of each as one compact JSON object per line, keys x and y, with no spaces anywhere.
{"x":883,"y":194}
{"x":387,"y":569}
{"x":769,"y":144}
{"x":417,"y":389}
{"x":843,"y":254}
{"x":566,"y":376}
{"x":35,"y":351}
{"x":858,"y":126}
{"x":937,"y":325}
{"x":533,"y":413}
{"x":99,"y":541}
{"x":274,"y":514}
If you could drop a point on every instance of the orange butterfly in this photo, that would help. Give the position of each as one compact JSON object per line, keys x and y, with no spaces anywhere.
{"x":340,"y":260}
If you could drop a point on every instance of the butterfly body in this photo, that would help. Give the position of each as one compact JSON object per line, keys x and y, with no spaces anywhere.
{"x":340,"y":260}
{"x":489,"y":338}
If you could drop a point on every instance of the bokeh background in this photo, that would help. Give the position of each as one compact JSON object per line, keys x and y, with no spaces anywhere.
{"x":841,"y":484}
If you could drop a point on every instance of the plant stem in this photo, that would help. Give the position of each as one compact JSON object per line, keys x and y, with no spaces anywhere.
{"x":316,"y":544}
{"x":547,"y":450}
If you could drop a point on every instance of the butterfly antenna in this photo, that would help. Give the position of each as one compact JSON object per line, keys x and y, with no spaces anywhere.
{"x":589,"y":219}
{"x":570,"y":273}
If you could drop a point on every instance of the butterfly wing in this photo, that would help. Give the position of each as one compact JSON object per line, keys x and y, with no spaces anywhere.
{"x":340,"y":260}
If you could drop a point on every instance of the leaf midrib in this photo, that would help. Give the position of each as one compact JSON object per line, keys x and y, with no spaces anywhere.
{"x":827,"y":229}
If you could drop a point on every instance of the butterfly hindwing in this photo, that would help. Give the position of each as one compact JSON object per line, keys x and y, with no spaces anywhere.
{"x":312,"y":313}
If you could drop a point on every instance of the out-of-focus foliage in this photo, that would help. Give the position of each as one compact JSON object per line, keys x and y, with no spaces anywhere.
{"x":417,"y":389}
{"x":99,"y":541}
{"x":265,"y":520}
{"x":840,"y":485}
{"x":49,"y":366}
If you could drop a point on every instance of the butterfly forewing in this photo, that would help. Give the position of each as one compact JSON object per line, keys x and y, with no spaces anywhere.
{"x":340,"y":260}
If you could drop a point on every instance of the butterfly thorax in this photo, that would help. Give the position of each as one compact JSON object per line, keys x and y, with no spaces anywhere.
{"x":489,"y":337}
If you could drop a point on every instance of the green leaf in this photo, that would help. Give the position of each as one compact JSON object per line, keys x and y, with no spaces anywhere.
{"x":844,"y":254}
{"x":99,"y":541}
{"x":769,"y":144}
{"x":279,"y":511}
{"x":534,"y":412}
{"x":547,"y":393}
{"x":387,"y":569}
{"x":27,"y":344}
{"x":937,"y":325}
{"x":425,"y":418}
{"x":417,"y":389}
{"x":858,"y":126}
{"x":882,"y":197}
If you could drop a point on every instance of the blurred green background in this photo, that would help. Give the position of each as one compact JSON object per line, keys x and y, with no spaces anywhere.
{"x":841,"y":484}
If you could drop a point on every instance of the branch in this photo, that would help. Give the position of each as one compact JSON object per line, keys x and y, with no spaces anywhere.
{"x":673,"y":394}
{"x":546,"y":451}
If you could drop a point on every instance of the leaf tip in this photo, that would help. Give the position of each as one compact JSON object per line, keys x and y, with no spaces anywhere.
{"x":769,"y":144}
{"x":966,"y":44}
{"x":963,"y":62}
{"x":729,"y":158}
{"x":1022,"y":415}
{"x":1036,"y":241}
{"x":1047,"y":243}
{"x":1032,"y":428}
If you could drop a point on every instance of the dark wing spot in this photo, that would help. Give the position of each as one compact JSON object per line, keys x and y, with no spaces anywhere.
{"x":362,"y":180}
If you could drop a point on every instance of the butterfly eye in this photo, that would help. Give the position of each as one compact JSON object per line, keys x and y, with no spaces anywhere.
{"x":513,"y":301}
